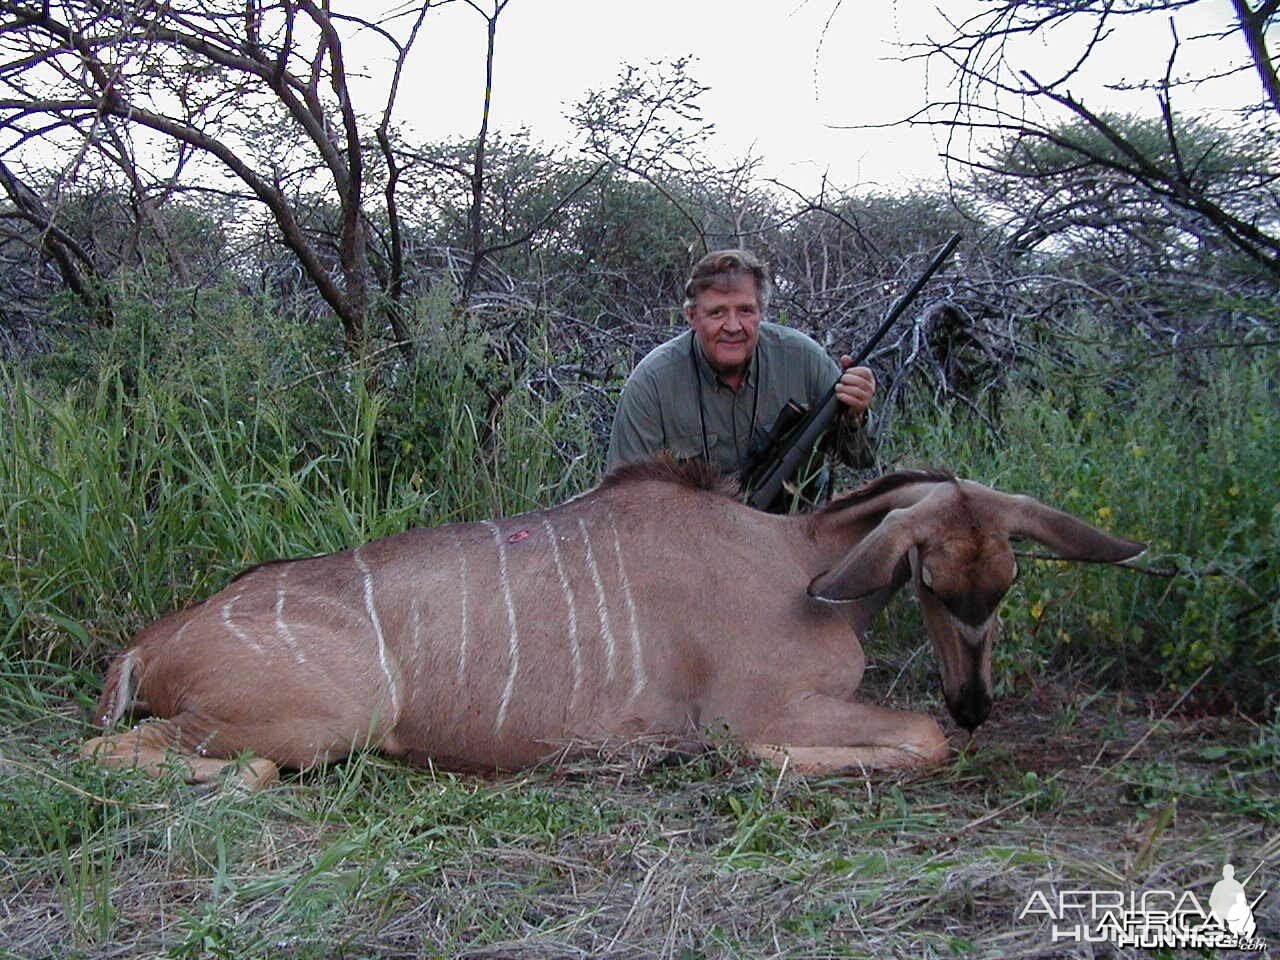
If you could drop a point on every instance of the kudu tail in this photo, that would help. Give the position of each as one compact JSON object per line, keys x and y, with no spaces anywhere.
{"x":120,"y":690}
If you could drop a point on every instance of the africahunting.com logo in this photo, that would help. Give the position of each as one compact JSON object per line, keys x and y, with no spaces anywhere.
{"x":1151,"y":919}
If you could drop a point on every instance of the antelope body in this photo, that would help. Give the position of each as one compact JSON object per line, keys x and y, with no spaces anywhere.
{"x":654,"y":604}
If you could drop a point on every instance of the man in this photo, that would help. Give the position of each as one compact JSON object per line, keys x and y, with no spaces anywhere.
{"x":716,"y":390}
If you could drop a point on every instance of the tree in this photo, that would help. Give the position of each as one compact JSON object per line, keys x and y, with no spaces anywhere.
{"x":1173,"y":160}
{"x":28,"y":225}
{"x":250,"y":97}
{"x":649,"y":126}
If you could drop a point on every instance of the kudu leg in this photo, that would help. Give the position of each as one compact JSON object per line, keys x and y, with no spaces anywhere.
{"x":153,"y":748}
{"x":821,"y":735}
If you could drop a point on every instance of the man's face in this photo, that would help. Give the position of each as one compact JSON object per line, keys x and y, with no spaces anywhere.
{"x":726,"y":321}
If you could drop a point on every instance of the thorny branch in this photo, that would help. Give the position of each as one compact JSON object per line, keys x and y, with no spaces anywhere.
{"x":995,"y":94}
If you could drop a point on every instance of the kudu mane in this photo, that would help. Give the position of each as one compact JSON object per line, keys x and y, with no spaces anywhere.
{"x":701,"y":475}
{"x":693,"y":474}
{"x":264,"y":563}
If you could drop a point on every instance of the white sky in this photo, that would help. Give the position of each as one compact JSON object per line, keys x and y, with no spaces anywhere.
{"x":778,"y":86}
{"x":772,"y":93}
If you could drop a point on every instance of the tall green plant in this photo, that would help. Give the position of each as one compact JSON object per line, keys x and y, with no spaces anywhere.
{"x":121,"y":504}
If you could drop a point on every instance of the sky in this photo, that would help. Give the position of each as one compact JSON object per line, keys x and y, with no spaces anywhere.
{"x":774,"y":93}
{"x":790,"y":82}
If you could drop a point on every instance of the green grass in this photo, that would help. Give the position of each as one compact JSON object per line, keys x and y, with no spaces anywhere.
{"x":117,"y":509}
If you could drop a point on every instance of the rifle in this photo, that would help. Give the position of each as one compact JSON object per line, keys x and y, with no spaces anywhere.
{"x":793,"y":437}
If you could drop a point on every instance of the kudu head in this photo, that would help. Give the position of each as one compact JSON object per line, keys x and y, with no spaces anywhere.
{"x":952,"y":539}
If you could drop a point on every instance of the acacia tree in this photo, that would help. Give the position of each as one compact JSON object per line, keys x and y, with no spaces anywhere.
{"x":1046,"y":199}
{"x":997,"y":92}
{"x":649,"y":126}
{"x":257,"y":93}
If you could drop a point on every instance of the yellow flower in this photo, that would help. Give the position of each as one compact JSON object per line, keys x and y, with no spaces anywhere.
{"x":1105,"y":513}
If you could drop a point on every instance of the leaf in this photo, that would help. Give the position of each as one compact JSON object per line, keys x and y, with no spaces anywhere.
{"x":70,"y":626}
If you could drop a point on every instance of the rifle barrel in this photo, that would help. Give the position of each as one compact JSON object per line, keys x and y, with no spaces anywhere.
{"x":900,"y":305}
{"x":824,"y":410}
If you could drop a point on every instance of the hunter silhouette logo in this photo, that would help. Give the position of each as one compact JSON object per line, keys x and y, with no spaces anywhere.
{"x":1230,"y":905}
{"x":1151,"y":919}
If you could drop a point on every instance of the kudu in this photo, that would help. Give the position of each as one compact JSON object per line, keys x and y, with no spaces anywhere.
{"x":653,"y":604}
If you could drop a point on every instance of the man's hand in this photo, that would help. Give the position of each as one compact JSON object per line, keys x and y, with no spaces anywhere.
{"x":856,"y":387}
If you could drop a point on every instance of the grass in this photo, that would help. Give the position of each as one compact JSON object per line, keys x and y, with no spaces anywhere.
{"x":634,"y":853}
{"x":121,"y":505}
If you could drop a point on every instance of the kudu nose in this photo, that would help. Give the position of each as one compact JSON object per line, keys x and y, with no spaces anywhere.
{"x":971,"y":707}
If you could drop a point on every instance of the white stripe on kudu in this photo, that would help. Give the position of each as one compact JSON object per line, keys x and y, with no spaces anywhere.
{"x":602,"y":609}
{"x":372,"y":610}
{"x":282,"y":628}
{"x":233,"y":629}
{"x":638,"y":678}
{"x":415,"y":629}
{"x":464,"y":624}
{"x":513,"y":641}
{"x":575,"y":651}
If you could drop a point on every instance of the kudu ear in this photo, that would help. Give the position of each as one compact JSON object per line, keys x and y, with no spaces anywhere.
{"x":869,"y":565}
{"x":1069,"y":537}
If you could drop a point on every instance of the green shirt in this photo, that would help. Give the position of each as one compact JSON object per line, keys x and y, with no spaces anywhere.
{"x":662,"y":399}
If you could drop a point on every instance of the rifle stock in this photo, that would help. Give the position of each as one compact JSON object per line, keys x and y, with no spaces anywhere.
{"x":765,"y":483}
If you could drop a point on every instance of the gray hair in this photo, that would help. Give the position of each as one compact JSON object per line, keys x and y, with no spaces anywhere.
{"x":720,"y":268}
